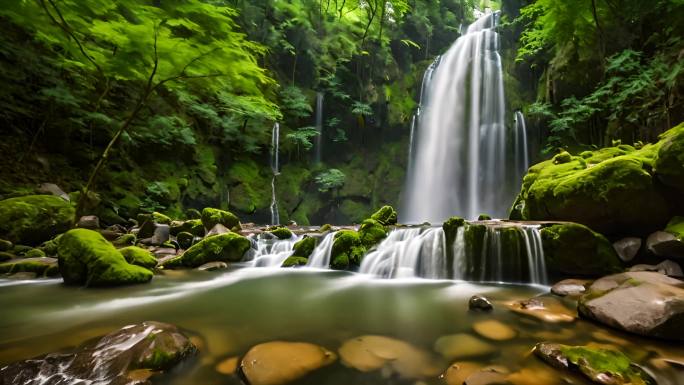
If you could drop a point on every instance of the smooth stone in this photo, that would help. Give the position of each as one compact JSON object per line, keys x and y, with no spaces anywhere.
{"x":478,"y":302}
{"x":646,"y":303}
{"x":543,"y":308}
{"x":494,"y":330}
{"x":488,"y":376}
{"x":462,"y":346}
{"x":666,"y":267}
{"x":536,"y":376}
{"x":24,"y":275}
{"x":275,"y":363}
{"x":569,"y":287}
{"x":53,"y":189}
{"x":90,"y":222}
{"x":228,"y":366}
{"x":457,"y":373}
{"x":664,"y":244}
{"x":162,"y":234}
{"x":218,"y":230}
{"x":627,"y":248}
{"x":213,"y":266}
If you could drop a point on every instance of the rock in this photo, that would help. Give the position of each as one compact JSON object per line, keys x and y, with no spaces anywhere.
{"x":347,"y":250}
{"x":192,"y":214}
{"x":488,"y":376}
{"x":86,"y":258}
{"x":627,"y":248}
{"x":146,"y":229}
{"x":281,"y":232}
{"x":369,"y":353}
{"x":193,"y":226}
{"x":217,"y":230}
{"x":5,"y":245}
{"x":666,"y":267}
{"x":41,"y":267}
{"x":545,"y":309}
{"x":213,"y":266}
{"x":275,"y":363}
{"x":569,"y":287}
{"x":228,"y":247}
{"x":669,"y":165}
{"x":494,"y":330}
{"x":5,"y":256}
{"x":139,"y":256}
{"x":460,"y":346}
{"x":602,"y":366}
{"x":91,"y":222}
{"x":305,"y":247}
{"x":212,"y":217}
{"x":534,"y":376}
{"x":665,"y":244}
{"x":53,"y":189}
{"x":228,"y":366}
{"x":185,"y":240}
{"x":114,"y":359}
{"x":125,"y":240}
{"x":481,"y":303}
{"x":325,"y":228}
{"x":645,"y":303}
{"x":161,"y":218}
{"x":457,"y":373}
{"x":386,"y":216}
{"x":295,"y":262}
{"x":484,"y":217}
{"x":371,"y":232}
{"x":575,"y":249}
{"x":35,"y":253}
{"x":34,"y":219}
{"x":160,"y":236}
{"x":450,"y":227}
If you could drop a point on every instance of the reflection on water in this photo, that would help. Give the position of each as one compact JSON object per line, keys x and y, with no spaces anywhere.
{"x":227,"y":313}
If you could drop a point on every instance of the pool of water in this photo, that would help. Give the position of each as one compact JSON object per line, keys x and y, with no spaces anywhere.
{"x":228,"y":312}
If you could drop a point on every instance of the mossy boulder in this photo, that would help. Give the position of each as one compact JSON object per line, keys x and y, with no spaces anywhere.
{"x":281,"y":232}
{"x":371,"y":232}
{"x":5,"y":245}
{"x":611,"y":190}
{"x":192,"y":226}
{"x":41,"y":266}
{"x":676,"y":227}
{"x":387,"y":216}
{"x":305,"y":247}
{"x":34,"y":219}
{"x":450,"y":227}
{"x":86,"y":258}
{"x":35,"y":253}
{"x":229,"y":247}
{"x":669,"y":165}
{"x":161,"y":218}
{"x":139,"y":257}
{"x":125,"y":240}
{"x":575,"y":249}
{"x":185,"y":240}
{"x":347,"y":250}
{"x":295,"y":261}
{"x":212,"y":217}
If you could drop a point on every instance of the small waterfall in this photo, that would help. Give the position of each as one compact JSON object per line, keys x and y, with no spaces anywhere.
{"x":275,"y":167}
{"x":535,"y":255}
{"x":320,"y":258}
{"x":319,"y":125}
{"x":460,"y":159}
{"x":522,"y":152}
{"x":427,"y":78}
{"x":268,"y":252}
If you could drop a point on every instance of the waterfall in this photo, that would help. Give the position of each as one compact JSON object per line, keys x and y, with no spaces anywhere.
{"x":522,"y":152}
{"x":319,"y":125}
{"x":268,"y":252}
{"x":427,"y":78}
{"x":275,"y":167}
{"x":459,"y":164}
{"x":535,"y":254}
{"x":320,"y":258}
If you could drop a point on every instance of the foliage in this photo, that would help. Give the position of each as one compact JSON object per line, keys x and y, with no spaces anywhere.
{"x":330,"y":180}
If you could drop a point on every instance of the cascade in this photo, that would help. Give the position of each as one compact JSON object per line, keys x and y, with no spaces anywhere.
{"x":427,"y":77}
{"x":267,"y":252}
{"x":319,"y":125}
{"x":460,"y":153}
{"x":320,"y":258}
{"x":522,"y":157}
{"x":275,"y":167}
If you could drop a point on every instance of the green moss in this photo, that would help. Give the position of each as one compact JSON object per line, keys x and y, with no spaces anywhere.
{"x":325,"y":228}
{"x":50,"y":247}
{"x":85,"y":257}
{"x":125,"y":240}
{"x":281,"y":232}
{"x":305,"y":247}
{"x":575,"y":249}
{"x":295,"y":261}
{"x":595,"y":363}
{"x":347,"y":250}
{"x":669,"y":164}
{"x":21,"y":249}
{"x":192,"y":214}
{"x":484,"y":217}
{"x":211,"y":217}
{"x":139,"y":257}
{"x":353,"y":211}
{"x":371,"y":233}
{"x":185,"y":240}
{"x":228,"y":247}
{"x":676,"y":227}
{"x":34,"y":219}
{"x":450,"y":227}
{"x":386,"y":216}
{"x":5,"y":245}
{"x":5,"y":256}
{"x":161,"y":218}
{"x":563,"y":157}
{"x":40,"y":267}
{"x":250,"y":186}
{"x":35,"y":253}
{"x":192,"y":226}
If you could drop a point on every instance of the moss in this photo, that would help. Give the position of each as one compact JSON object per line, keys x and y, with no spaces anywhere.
{"x":340,"y":262}
{"x":125,"y":240}
{"x":669,"y":164}
{"x":50,"y":247}
{"x":676,"y":227}
{"x":5,"y":245}
{"x":228,"y":247}
{"x":34,"y":219}
{"x":474,"y":239}
{"x":40,"y":267}
{"x":281,"y":232}
{"x":35,"y":253}
{"x":249,"y":189}
{"x":595,"y":363}
{"x":347,"y":250}
{"x":450,"y":227}
{"x":371,"y":233}
{"x":211,"y":217}
{"x":192,"y":226}
{"x":85,"y":257}
{"x":353,"y":211}
{"x":295,"y":261}
{"x":5,"y":256}
{"x":192,"y":214}
{"x":185,"y":240}
{"x":21,"y":249}
{"x":325,"y":228}
{"x":305,"y":247}
{"x":139,"y":257}
{"x":575,"y":249}
{"x":484,"y":217}
{"x":563,"y":157}
{"x":161,"y":218}
{"x":386,"y":216}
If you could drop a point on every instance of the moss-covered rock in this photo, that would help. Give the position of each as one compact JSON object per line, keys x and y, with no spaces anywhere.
{"x":34,"y":219}
{"x":139,"y":257}
{"x":193,"y":214}
{"x":326,"y":227}
{"x":676,"y":227}
{"x":212,"y":217}
{"x":161,"y":218}
{"x":41,"y":266}
{"x":669,"y":165}
{"x":575,"y":249}
{"x":86,"y":258}
{"x":281,"y":232}
{"x":295,"y":261}
{"x":229,"y":247}
{"x":371,"y":232}
{"x":185,"y":240}
{"x":5,"y":256}
{"x":192,"y":226}
{"x":484,"y":217}
{"x":387,"y":216}
{"x":50,"y":247}
{"x":35,"y":253}
{"x":304,"y":247}
{"x":347,"y":250}
{"x":125,"y":240}
{"x":450,"y":227}
{"x":5,"y":245}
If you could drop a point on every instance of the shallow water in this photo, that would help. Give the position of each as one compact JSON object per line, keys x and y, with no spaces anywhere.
{"x":231,"y":311}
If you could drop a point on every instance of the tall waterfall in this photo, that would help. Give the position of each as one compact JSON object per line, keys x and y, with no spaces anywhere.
{"x":459,"y":164}
{"x":319,"y":125}
{"x":522,"y":152}
{"x":275,"y":167}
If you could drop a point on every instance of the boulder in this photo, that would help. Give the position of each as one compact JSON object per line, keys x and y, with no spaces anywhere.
{"x":91,"y":222}
{"x":602,"y":366}
{"x":570,"y":287}
{"x":53,"y":189}
{"x":480,"y":303}
{"x":229,"y":247}
{"x":281,"y":232}
{"x":41,"y":266}
{"x":6,"y":245}
{"x":114,"y":359}
{"x":386,"y":216}
{"x":125,"y":240}
{"x":574,"y":249}
{"x":347,"y":250}
{"x":185,"y":240}
{"x":371,"y":232}
{"x":665,"y":267}
{"x":646,"y":303}
{"x":295,"y":262}
{"x":212,"y":217}
{"x":627,"y":248}
{"x":305,"y":247}
{"x":665,"y":244}
{"x":217,"y":230}
{"x":139,"y":257}
{"x":193,"y":226}
{"x":34,"y":219}
{"x":669,"y":164}
{"x":160,"y":236}
{"x":275,"y":363}
{"x":86,"y":258}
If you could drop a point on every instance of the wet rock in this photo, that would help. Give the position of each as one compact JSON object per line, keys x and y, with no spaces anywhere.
{"x":571,"y":248}
{"x":666,"y":267}
{"x":41,"y":267}
{"x":371,"y":232}
{"x":125,"y":240}
{"x":627,"y":248}
{"x":34,"y":219}
{"x":543,"y":308}
{"x":212,"y":217}
{"x":569,"y":287}
{"x":218,"y":229}
{"x":139,"y":256}
{"x":386,"y":216}
{"x":481,"y":303}
{"x":295,"y":262}
{"x":305,"y":247}
{"x":462,"y":346}
{"x":91,"y":222}
{"x":494,"y":330}
{"x":457,"y":373}
{"x":275,"y":363}
{"x":213,"y":266}
{"x":602,"y":366}
{"x":228,"y":366}
{"x":185,"y":240}
{"x":488,"y":376}
{"x":665,"y":244}
{"x":160,"y":236}
{"x":35,"y":253}
{"x":193,"y":226}
{"x":53,"y":189}
{"x":645,"y":303}
{"x":228,"y":247}
{"x":146,"y":229}
{"x":281,"y":232}
{"x":116,"y":359}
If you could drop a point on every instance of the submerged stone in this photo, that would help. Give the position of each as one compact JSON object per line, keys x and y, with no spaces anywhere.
{"x":90,"y":222}
{"x":460,"y":346}
{"x":34,"y":219}
{"x":229,"y":247}
{"x":457,"y":373}
{"x":545,"y":309}
{"x":275,"y":363}
{"x":494,"y":330}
